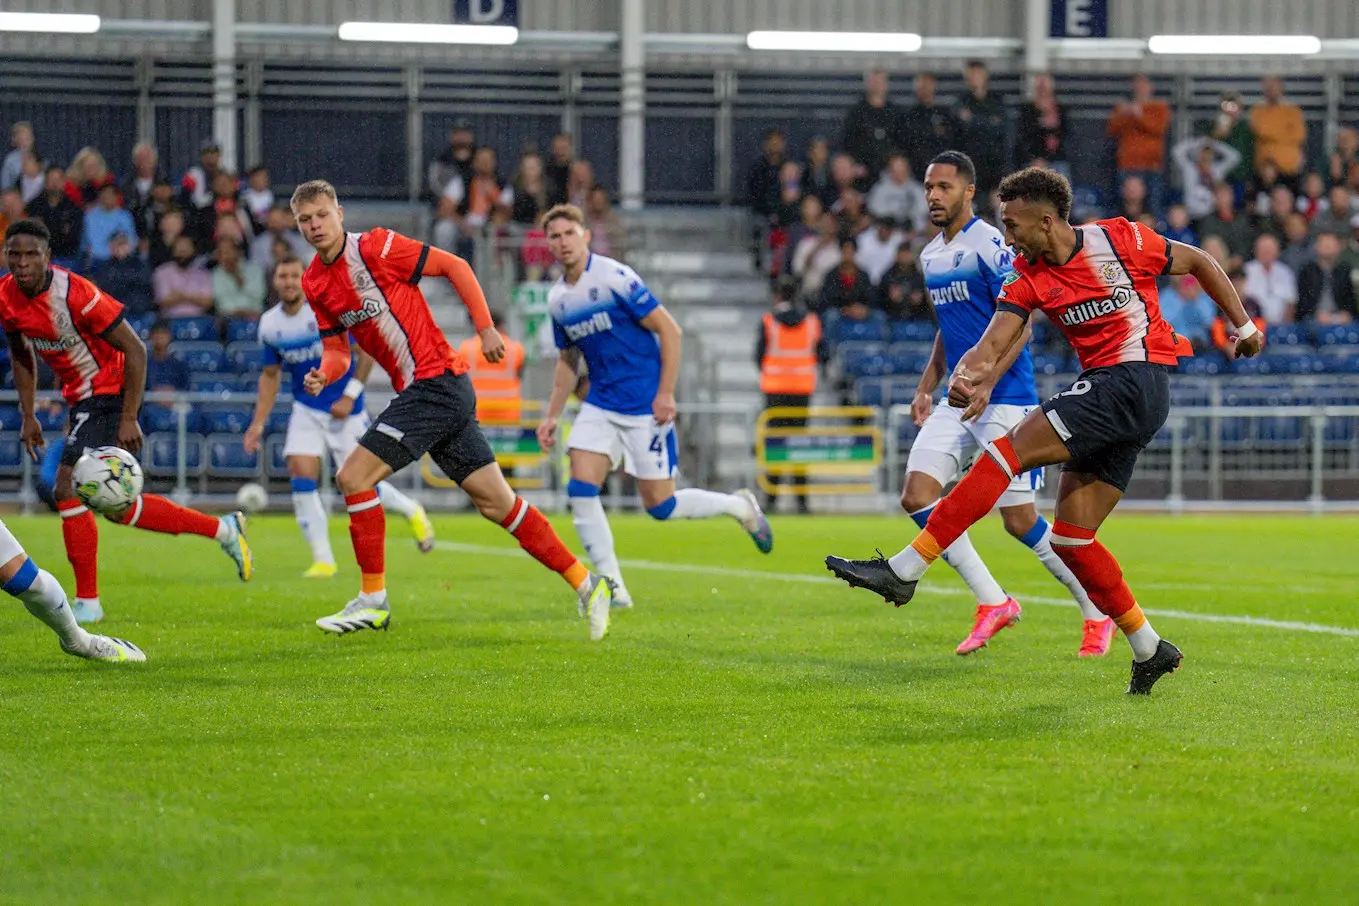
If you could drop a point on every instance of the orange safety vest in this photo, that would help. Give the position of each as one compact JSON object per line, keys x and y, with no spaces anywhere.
{"x":499,"y":389}
{"x":789,"y":364}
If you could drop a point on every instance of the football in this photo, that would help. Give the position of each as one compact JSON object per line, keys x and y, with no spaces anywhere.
{"x":252,"y":497}
{"x":107,"y":480}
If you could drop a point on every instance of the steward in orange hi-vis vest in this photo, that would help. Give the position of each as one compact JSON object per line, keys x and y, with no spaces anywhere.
{"x":498,"y":385}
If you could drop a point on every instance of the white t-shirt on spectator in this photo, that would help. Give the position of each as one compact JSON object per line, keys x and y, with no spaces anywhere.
{"x":876,"y":255}
{"x":1275,"y":289}
{"x":903,"y":202}
{"x":811,"y":266}
{"x":455,"y":191}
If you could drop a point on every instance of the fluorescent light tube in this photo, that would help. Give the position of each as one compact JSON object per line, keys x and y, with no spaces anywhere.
{"x":1269,"y":45}
{"x":428,"y":33}
{"x":835,"y":41}
{"x":50,"y":23}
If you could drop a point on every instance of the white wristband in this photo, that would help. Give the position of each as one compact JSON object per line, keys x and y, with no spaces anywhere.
{"x":1246,"y":330}
{"x":353,"y":388}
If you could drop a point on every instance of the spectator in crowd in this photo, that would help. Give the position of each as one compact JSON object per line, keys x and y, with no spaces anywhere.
{"x":1279,"y":132}
{"x":11,"y":208}
{"x":87,"y":175}
{"x":195,"y":188}
{"x":102,"y":221}
{"x":1232,"y":228}
{"x":20,"y":140}
{"x":1312,"y":199}
{"x":816,"y":256}
{"x":609,"y":237}
{"x":816,"y":172}
{"x":32,"y":176}
{"x":877,"y":248}
{"x":1297,"y":243}
{"x":844,"y":175}
{"x":455,"y":161}
{"x":1339,"y":211}
{"x":902,"y":290}
{"x":64,"y":218}
{"x":854,"y":217}
{"x":1271,"y":282}
{"x":847,"y":289}
{"x":1133,"y":197}
{"x":531,"y":189}
{"x":1350,"y":254}
{"x":162,"y":201}
{"x":980,"y":118}
{"x":929,"y":126}
{"x":558,"y":168}
{"x":1232,"y":128}
{"x":164,"y":372}
{"x":258,"y":196}
{"x":809,"y":215}
{"x":790,"y":195}
{"x":1281,"y":206}
{"x":1203,"y":163}
{"x":182,"y":286}
{"x":1262,"y":183}
{"x":124,"y":275}
{"x":580,"y":183}
{"x":897,"y":196}
{"x":1325,"y":285}
{"x":1041,"y":130}
{"x":169,"y":229}
{"x":137,"y":189}
{"x":1190,"y":311}
{"x":873,"y":126}
{"x":226,"y":205}
{"x":1139,"y":126}
{"x":237,"y":285}
{"x":1217,"y":250}
{"x":762,"y":182}
{"x":279,"y":225}
{"x":1178,"y":226}
{"x":1342,"y":166}
{"x":467,"y":205}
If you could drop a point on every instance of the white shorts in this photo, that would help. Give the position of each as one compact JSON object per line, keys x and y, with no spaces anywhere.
{"x":312,"y":432}
{"x":9,"y":545}
{"x":648,"y":451}
{"x":946,"y":446}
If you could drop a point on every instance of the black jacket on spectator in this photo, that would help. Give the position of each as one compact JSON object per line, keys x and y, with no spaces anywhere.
{"x":138,"y":204}
{"x":762,"y":186}
{"x":65,"y":221}
{"x":557,"y":175}
{"x":902,"y":294}
{"x":981,"y":135}
{"x":1311,"y":281}
{"x":837,"y":292}
{"x":927,"y":131}
{"x":873,"y":133}
{"x":128,"y":280}
{"x":819,"y":183}
{"x":1033,"y":140}
{"x":1236,"y":233}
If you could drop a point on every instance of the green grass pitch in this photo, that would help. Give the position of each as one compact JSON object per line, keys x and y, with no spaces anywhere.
{"x":739,"y":738}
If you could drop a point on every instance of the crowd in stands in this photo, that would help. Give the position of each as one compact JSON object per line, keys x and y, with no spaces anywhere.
{"x":1283,"y":223}
{"x":199,"y":247}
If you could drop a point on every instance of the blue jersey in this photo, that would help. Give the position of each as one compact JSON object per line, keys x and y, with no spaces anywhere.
{"x":293,"y":342}
{"x":600,"y":314}
{"x":963,"y":278}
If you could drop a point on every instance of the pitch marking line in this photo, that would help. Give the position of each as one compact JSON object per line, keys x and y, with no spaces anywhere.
{"x":1236,"y":619}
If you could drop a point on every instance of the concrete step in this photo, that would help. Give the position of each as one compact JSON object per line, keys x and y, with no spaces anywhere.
{"x":742,"y":292}
{"x":669,"y":262}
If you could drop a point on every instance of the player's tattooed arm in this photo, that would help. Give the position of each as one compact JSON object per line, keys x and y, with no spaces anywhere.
{"x":975,"y":370}
{"x":1188,"y":259}
{"x":563,"y":382}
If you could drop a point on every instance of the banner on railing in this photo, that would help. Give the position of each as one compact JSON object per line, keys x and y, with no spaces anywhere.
{"x":515,"y":445}
{"x":818,"y":450}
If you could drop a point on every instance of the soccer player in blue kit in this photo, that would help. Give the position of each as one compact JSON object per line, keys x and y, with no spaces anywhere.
{"x":964,"y":267}
{"x":603,"y":313}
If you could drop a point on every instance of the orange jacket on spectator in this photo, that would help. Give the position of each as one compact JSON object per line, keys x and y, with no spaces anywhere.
{"x":1279,"y":134}
{"x":1141,"y":136}
{"x":498,"y":386}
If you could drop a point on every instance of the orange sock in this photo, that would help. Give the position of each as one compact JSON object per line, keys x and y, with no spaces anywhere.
{"x":81,"y":534}
{"x":925,"y":545}
{"x":368,"y":531}
{"x":536,"y":535}
{"x":158,"y":514}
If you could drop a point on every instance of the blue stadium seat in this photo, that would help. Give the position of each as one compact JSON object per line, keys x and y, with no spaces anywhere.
{"x":227,"y":456}
{"x":1340,"y":360}
{"x":278,"y":422}
{"x":905,"y":361}
{"x":1341,"y":430}
{"x":212,"y":383}
{"x":1206,"y":363}
{"x":1044,"y":363}
{"x":869,"y":392}
{"x":11,"y":456}
{"x":1338,"y":335}
{"x":853,"y":356}
{"x":911,"y":331}
{"x":142,"y":324}
{"x":238,"y":331}
{"x":52,"y":420}
{"x":874,"y":328}
{"x":276,"y":464}
{"x":243,"y":356}
{"x":901,"y":391}
{"x":161,"y":457}
{"x":156,"y":418}
{"x":226,"y":420}
{"x":201,"y":357}
{"x":10,"y":418}
{"x":1288,"y":335}
{"x":188,"y":330}
{"x":1292,"y":360}
{"x":1282,"y":429}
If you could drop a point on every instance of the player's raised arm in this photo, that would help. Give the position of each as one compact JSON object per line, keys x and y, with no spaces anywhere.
{"x":1187,"y":259}
{"x":438,"y":263}
{"x":671,"y":338}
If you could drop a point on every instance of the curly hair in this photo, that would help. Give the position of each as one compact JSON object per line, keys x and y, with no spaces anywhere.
{"x":1035,"y":184}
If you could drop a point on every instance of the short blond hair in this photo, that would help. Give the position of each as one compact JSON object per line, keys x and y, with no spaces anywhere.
{"x":564,"y":211}
{"x":311,"y":190}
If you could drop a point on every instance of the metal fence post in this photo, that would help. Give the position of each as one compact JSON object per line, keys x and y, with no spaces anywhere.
{"x":1317,"y":499}
{"x":181,"y":451}
{"x":1175,"y":500}
{"x":891,"y":457}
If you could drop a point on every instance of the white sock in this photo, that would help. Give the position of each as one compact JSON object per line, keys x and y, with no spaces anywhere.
{"x":592,"y":527}
{"x":963,"y":557}
{"x":311,"y":519}
{"x":397,"y":502}
{"x":907,"y":564}
{"x":696,"y":503}
{"x":225,"y":531}
{"x":46,"y":600}
{"x":1144,"y":642}
{"x":1042,"y":549}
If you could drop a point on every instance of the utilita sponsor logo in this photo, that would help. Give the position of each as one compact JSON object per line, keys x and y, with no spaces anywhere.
{"x":371,"y":309}
{"x":1096,"y":308}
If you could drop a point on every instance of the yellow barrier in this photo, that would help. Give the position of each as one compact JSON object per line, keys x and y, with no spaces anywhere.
{"x":515,"y":445}
{"x":825,"y":446}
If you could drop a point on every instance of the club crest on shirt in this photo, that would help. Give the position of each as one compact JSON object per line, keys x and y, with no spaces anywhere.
{"x":361,"y":281}
{"x":594,"y":294}
{"x":958,"y":258}
{"x":61,"y":321}
{"x":1110,"y":272}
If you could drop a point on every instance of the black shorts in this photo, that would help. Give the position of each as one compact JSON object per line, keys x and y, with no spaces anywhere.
{"x":437,"y":416}
{"x":91,"y":423}
{"x":1108,"y":416}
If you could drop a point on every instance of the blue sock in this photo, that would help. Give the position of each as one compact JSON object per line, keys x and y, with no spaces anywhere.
{"x":662,"y":510}
{"x":1035,"y":534}
{"x":21,"y":580}
{"x":577,"y":488}
{"x":303,"y":485}
{"x":920,"y":517}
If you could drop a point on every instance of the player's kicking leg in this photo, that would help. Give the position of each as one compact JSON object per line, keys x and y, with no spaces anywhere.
{"x":341,"y":438}
{"x":42,"y":595}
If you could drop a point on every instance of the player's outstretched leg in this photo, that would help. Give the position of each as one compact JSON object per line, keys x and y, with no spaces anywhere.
{"x":696,"y":503}
{"x":410,"y":509}
{"x":368,"y":531}
{"x":1100,"y":574}
{"x":1032,"y":530}
{"x":313,"y":521}
{"x":592,"y":527}
{"x":159,"y":514}
{"x":80,"y":531}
